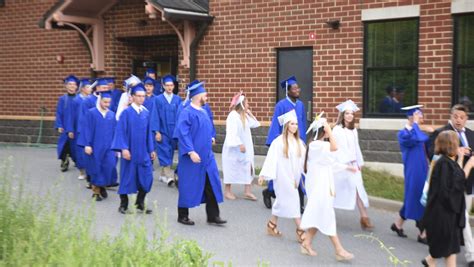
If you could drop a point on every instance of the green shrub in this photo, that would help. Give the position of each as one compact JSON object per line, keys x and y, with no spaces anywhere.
{"x":36,"y":231}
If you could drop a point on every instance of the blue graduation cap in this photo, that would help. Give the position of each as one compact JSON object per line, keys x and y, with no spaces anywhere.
{"x":102,"y":81}
{"x":110,"y":80}
{"x":106,"y":94}
{"x":71,"y":78}
{"x":84,"y":82}
{"x":196,"y":87}
{"x":150,"y":70}
{"x":137,"y":88}
{"x":149,"y":80}
{"x":168,"y":78}
{"x":410,"y":110}
{"x":289,"y":81}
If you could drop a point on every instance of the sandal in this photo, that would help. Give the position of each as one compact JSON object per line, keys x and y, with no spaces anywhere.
{"x":250,"y":197}
{"x":300,"y":235}
{"x":307,"y":251}
{"x":272,"y":229}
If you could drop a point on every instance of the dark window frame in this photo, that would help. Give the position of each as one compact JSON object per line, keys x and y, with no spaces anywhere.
{"x":365,"y":84}
{"x":455,"y":66}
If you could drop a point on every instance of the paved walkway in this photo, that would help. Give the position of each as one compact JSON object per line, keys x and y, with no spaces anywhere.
{"x":243,"y":241}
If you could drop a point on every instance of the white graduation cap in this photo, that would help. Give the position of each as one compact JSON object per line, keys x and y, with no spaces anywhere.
{"x":285,"y":118}
{"x":348,"y":105}
{"x":132,"y":81}
{"x":410,"y":110}
{"x":316,"y":124}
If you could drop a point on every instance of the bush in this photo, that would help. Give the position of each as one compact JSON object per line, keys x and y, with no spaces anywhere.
{"x":36,"y":231}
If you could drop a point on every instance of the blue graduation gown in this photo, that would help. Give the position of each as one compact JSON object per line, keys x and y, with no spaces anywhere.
{"x":65,"y":120}
{"x":413,"y":146}
{"x":149,"y":103}
{"x":206,"y":106}
{"x":194,"y":133}
{"x":163,"y":120}
{"x":157,"y":89}
{"x":116,"y":94}
{"x":133,"y":133}
{"x":282,"y":107}
{"x":78,"y":114}
{"x":97,"y":133}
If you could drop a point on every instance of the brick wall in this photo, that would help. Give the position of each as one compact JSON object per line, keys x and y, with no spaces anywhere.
{"x":238,"y":52}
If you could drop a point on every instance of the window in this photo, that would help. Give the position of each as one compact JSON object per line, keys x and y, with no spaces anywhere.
{"x":390,"y":67}
{"x":463,"y":65}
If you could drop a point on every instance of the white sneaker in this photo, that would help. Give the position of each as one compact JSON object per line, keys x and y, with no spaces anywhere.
{"x":81,"y":177}
{"x":164,"y":179}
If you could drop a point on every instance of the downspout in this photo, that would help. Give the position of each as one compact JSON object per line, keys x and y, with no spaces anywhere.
{"x":193,"y":48}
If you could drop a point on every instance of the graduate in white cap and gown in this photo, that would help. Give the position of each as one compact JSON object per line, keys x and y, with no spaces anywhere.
{"x":65,"y":122}
{"x":291,"y":102}
{"x":349,"y":185}
{"x":320,"y":166}
{"x":126,"y":97}
{"x":284,"y":166}
{"x":199,"y":180}
{"x":133,"y":138}
{"x":238,"y":156}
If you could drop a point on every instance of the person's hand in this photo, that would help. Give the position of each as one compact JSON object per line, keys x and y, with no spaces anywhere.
{"x":417,"y":117}
{"x":158,"y":137}
{"x":195,"y":157}
{"x":153,"y":155}
{"x":261,"y":180}
{"x":242,"y":148}
{"x":70,"y":135}
{"x":60,"y":130}
{"x":327,"y":128}
{"x":352,"y":169}
{"x":466,"y":151}
{"x":126,"y":154}
{"x":88,"y":150}
{"x":461,"y":152}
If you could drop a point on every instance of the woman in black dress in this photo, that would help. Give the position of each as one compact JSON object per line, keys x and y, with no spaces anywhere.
{"x":444,"y":216}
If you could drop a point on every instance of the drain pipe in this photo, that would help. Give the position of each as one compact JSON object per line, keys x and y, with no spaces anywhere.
{"x":193,"y":48}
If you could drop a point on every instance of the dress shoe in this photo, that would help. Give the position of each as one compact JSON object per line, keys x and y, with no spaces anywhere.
{"x":267,"y":198}
{"x":422,"y":240}
{"x":399,"y":232}
{"x":141,"y":209}
{"x":217,"y":221}
{"x":185,"y":221}
{"x":123,"y":210}
{"x":97,"y":197}
{"x":103,"y":192}
{"x":425,"y":263}
{"x":64,"y":165}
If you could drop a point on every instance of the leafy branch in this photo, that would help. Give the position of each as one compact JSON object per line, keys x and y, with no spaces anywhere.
{"x":393,"y":259}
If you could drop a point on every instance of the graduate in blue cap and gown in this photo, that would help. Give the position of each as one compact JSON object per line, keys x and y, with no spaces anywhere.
{"x":149,"y":103}
{"x":133,"y":138}
{"x":283,"y":106}
{"x":150,"y":72}
{"x":413,"y":145}
{"x":116,"y":92}
{"x":65,"y":122}
{"x":85,"y":91}
{"x":163,"y":124}
{"x":96,"y":141}
{"x":199,"y":180}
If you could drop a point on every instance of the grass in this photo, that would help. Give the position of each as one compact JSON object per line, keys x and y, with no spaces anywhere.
{"x":383,"y":184}
{"x":379,"y":184}
{"x":37,"y":231}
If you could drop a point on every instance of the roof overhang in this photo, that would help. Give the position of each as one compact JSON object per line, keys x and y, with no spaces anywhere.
{"x":84,"y":16}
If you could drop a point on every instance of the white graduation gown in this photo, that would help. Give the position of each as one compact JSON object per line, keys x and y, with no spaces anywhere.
{"x":347,"y":183}
{"x":238,"y":167}
{"x":286,"y":175}
{"x":319,"y":185}
{"x":123,"y":104}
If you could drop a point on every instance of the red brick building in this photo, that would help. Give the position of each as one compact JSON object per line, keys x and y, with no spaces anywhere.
{"x":337,"y":49}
